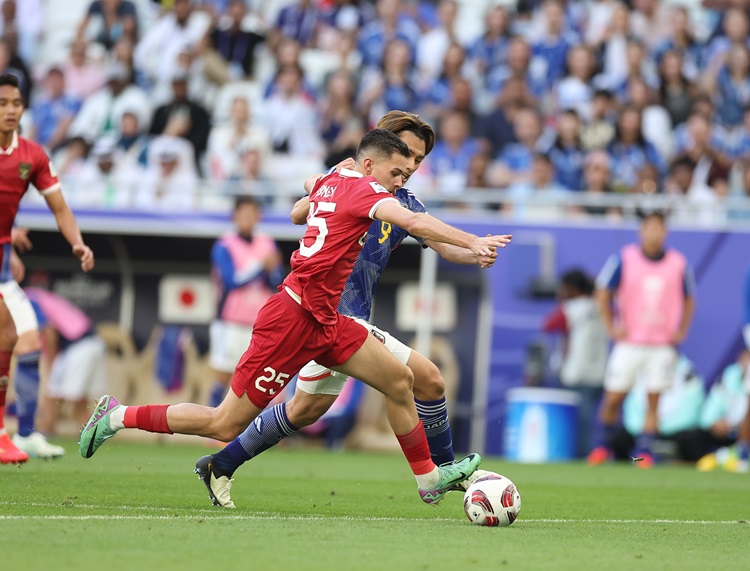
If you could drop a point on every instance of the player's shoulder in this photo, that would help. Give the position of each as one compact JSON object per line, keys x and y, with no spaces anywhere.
{"x":408,"y":199}
{"x":29,"y":147}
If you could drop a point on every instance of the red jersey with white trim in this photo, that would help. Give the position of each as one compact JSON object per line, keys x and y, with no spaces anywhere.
{"x":342,"y":207}
{"x":24,"y":162}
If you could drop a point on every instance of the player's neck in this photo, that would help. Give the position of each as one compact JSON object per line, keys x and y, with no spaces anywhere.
{"x":6,"y":139}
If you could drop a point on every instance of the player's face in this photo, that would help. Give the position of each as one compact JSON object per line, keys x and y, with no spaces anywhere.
{"x":653,"y":234}
{"x":390,"y":172}
{"x":11,"y":108}
{"x":417,"y":148}
{"x":246,"y":217}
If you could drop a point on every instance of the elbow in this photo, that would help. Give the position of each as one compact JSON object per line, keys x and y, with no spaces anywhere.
{"x":298,"y":218}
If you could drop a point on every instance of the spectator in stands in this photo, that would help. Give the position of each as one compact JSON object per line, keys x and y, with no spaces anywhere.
{"x":225,"y":140}
{"x":450,"y":158}
{"x":83,"y":76}
{"x":288,"y":53}
{"x":574,"y":91}
{"x":70,"y":160}
{"x":539,"y":196}
{"x":731,"y":86}
{"x":649,"y":22}
{"x":518,"y":67}
{"x":584,"y":348}
{"x":437,"y":96}
{"x":630,"y":150}
{"x":76,"y":356}
{"x":392,"y":86}
{"x":711,"y":164}
{"x":683,"y":43}
{"x":297,"y":20}
{"x":193,"y":119}
{"x":462,"y":99}
{"x":734,"y":30}
{"x":336,"y":108}
{"x":597,"y":185}
{"x":104,"y":183}
{"x":491,"y":50}
{"x":390,"y":24}
{"x":101,"y":112}
{"x":611,"y":45}
{"x":107,"y":21}
{"x":551,"y":49}
{"x":655,"y":122}
{"x":250,"y":172}
{"x":340,"y":21}
{"x":53,"y":113}
{"x":171,"y":179}
{"x":132,"y":144}
{"x":479,"y":171}
{"x":514,"y":162}
{"x":639,"y":67}
{"x":157,"y":52}
{"x":7,"y":67}
{"x":433,"y":44}
{"x":25,"y":19}
{"x":290,"y":118}
{"x":566,"y":152}
{"x":232,"y":46}
{"x":599,"y":131}
{"x":676,"y":93}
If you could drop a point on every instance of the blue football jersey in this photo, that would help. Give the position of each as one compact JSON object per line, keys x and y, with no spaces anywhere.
{"x":382,"y":238}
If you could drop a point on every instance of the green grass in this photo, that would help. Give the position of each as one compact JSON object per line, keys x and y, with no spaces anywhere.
{"x":139,"y":507}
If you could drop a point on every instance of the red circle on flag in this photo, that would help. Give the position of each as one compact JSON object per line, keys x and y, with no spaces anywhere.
{"x":187,"y":297}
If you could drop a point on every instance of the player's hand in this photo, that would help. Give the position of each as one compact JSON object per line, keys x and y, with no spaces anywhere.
{"x":19,"y":237}
{"x":17,"y":269}
{"x":678,"y":337}
{"x":617,"y":332}
{"x":489,"y":244}
{"x":84,"y":253}
{"x":345,"y":164}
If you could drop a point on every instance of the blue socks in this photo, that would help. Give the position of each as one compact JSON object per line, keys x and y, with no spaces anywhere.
{"x":265,"y":431}
{"x":218,"y":390}
{"x":605,"y":435}
{"x":644,"y":442}
{"x":26,"y":383}
{"x":434,"y":416}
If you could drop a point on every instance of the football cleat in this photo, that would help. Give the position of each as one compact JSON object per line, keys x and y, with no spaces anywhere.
{"x":733,"y":463}
{"x":218,"y":485}
{"x":463,"y":486}
{"x":36,"y":446}
{"x":707,"y":463}
{"x":97,"y":429}
{"x":9,"y":452}
{"x":644,"y":461}
{"x":451,"y":474}
{"x":599,"y":455}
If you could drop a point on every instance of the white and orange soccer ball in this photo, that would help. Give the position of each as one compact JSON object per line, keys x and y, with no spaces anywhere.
{"x":492,"y":500}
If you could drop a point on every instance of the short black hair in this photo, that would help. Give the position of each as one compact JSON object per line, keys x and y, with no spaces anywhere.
{"x":8,"y":79}
{"x":644,"y":213}
{"x":243,"y":199}
{"x":578,"y":280}
{"x":383,"y":143}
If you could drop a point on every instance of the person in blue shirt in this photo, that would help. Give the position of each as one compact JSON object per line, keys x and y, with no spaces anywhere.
{"x":54,"y":112}
{"x":390,"y":24}
{"x":319,"y":387}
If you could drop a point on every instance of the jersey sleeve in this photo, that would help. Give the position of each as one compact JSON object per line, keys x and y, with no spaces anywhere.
{"x":368,"y":194}
{"x":609,"y":276}
{"x":416,"y":205}
{"x":43,"y":174}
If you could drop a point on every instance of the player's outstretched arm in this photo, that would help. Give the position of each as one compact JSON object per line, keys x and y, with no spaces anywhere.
{"x":68,"y":226}
{"x":459,"y":255}
{"x":425,"y":226}
{"x":300,"y":211}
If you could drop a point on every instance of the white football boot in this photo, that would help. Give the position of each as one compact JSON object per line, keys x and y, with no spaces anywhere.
{"x":36,"y":446}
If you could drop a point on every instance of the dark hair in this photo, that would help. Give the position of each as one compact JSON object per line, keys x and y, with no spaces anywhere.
{"x":8,"y":79}
{"x":578,"y":280}
{"x":382,"y":143}
{"x":644,"y":213}
{"x":400,"y":121}
{"x":244,"y":199}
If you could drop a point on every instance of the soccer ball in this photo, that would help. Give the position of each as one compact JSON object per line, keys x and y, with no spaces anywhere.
{"x":492,"y":500}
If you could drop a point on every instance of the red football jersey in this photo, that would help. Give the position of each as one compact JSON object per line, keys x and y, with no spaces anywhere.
{"x":21,"y":164}
{"x":342,"y":207}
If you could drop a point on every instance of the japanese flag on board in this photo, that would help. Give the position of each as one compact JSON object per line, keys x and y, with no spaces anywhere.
{"x":186,"y":299}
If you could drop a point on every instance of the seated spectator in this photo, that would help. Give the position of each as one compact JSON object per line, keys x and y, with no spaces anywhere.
{"x":53,"y":113}
{"x":574,"y":90}
{"x":132,"y":144}
{"x":106,"y":21}
{"x":734,"y":30}
{"x":104,"y":183}
{"x":390,"y":23}
{"x":649,"y":22}
{"x":639,"y":66}
{"x":731,"y":86}
{"x":675,"y":91}
{"x":336,"y":108}
{"x":298,"y":21}
{"x":250,"y":176}
{"x":479,"y":171}
{"x":102,"y":112}
{"x":711,"y":164}
{"x":70,"y":159}
{"x":630,"y":150}
{"x":157,"y":53}
{"x":682,"y":43}
{"x":76,"y":357}
{"x":697,"y":202}
{"x":539,"y":197}
{"x":437,"y":95}
{"x":597,"y":174}
{"x":461,"y":99}
{"x":392,"y":87}
{"x":341,"y":20}
{"x":171,"y":179}
{"x":6,"y":67}
{"x":232,"y":46}
{"x":517,"y":68}
{"x":491,"y":50}
{"x":611,"y":45}
{"x":550,"y":50}
{"x":225,"y":140}
{"x":599,"y":131}
{"x":566,"y":152}
{"x":290,"y":118}
{"x":515,"y":160}
{"x":193,"y":119}
{"x":433,"y":44}
{"x":25,"y":20}
{"x":655,"y":122}
{"x":450,"y":158}
{"x":288,"y":53}
{"x":83,"y":77}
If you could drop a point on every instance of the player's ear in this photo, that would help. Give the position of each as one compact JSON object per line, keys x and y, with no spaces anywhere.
{"x":368,"y":164}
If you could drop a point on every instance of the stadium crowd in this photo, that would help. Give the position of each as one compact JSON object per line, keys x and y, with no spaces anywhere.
{"x":155,"y":102}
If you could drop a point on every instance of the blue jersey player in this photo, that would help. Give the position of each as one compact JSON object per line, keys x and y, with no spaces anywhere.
{"x":318,"y":386}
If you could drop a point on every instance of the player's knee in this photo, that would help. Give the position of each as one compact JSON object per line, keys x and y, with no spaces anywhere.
{"x":402,"y":386}
{"x":8,"y":337}
{"x":430,"y":385}
{"x":306,"y":412}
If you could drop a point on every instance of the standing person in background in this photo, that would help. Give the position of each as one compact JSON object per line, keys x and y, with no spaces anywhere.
{"x":23,"y":162}
{"x":654,"y":289}
{"x":246,"y":268}
{"x":585,"y":349}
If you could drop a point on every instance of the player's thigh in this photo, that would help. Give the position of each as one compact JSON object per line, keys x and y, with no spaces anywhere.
{"x":8,"y":335}
{"x":659,"y":368}
{"x":20,"y":307}
{"x":374,"y":365}
{"x":625,"y":362}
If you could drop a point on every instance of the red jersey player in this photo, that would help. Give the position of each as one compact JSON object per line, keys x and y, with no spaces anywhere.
{"x":301,"y":322}
{"x":23,"y":162}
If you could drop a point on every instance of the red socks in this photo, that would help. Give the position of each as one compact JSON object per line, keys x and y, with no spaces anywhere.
{"x":4,"y":380}
{"x":152,"y":418}
{"x":417,"y":450}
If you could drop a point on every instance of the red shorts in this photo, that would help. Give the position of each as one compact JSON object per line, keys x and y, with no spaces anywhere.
{"x":285,"y":338}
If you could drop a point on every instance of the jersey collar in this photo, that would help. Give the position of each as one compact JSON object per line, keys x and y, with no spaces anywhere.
{"x":350,"y":172}
{"x":13,"y":145}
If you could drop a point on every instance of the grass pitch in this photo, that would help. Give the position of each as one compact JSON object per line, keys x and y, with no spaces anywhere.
{"x":138,"y":506}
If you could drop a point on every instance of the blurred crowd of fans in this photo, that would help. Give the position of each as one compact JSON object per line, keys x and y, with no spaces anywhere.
{"x":540,"y":98}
